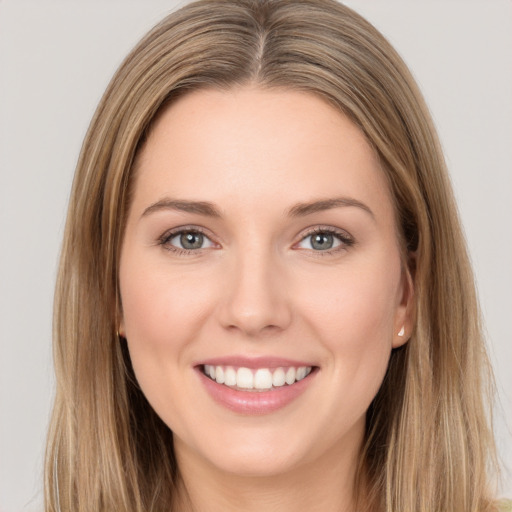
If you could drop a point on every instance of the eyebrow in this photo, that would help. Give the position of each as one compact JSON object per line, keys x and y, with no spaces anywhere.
{"x":303,"y":209}
{"x":199,"y":207}
{"x":299,"y":210}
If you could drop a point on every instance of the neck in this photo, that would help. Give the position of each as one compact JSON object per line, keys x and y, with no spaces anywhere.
{"x":326,"y":484}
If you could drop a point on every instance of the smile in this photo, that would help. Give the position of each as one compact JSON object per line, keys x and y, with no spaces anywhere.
{"x":255,"y":386}
{"x":256,"y":379}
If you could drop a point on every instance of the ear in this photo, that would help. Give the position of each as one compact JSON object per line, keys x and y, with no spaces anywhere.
{"x":405,"y":312}
{"x":121,"y":329}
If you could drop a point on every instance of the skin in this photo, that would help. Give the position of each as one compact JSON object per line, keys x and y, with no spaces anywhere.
{"x":258,"y":287}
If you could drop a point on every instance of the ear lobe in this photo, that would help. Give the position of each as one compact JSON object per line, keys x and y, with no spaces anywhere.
{"x":121,"y":329}
{"x":404,"y":319}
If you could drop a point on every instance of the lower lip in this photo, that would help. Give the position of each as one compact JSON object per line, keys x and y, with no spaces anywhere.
{"x":255,"y":402}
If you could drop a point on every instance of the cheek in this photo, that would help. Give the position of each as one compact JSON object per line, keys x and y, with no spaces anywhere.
{"x":162,"y":314}
{"x":353,"y":314}
{"x":162,"y":307}
{"x":355,"y":307}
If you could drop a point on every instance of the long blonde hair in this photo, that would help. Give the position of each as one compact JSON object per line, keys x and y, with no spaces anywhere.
{"x":428,"y":444}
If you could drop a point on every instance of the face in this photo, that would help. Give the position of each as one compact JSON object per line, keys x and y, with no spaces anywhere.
{"x":261,"y":280}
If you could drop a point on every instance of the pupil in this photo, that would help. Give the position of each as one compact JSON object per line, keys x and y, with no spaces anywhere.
{"x":322,"y":241}
{"x":191,"y":240}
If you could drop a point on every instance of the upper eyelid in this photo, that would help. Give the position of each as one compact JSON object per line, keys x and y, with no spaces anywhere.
{"x":170,"y":233}
{"x":324,"y":229}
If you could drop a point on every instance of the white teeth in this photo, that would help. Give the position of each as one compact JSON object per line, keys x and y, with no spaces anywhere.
{"x":290,"y":376}
{"x":260,"y":379}
{"x":219,"y":374}
{"x":301,"y":373}
{"x":263,"y":379}
{"x":230,"y":376}
{"x":278,"y":378}
{"x":244,"y":378}
{"x":209,"y":370}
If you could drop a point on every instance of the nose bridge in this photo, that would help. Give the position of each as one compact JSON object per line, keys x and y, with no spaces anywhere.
{"x":256,"y":298}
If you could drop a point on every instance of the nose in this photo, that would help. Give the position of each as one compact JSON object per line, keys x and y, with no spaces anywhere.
{"x":255,"y":297}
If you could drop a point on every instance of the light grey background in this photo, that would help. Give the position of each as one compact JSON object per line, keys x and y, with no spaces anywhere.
{"x":56,"y":58}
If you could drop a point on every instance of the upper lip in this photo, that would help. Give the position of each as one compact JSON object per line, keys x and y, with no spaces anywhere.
{"x":253,"y":362}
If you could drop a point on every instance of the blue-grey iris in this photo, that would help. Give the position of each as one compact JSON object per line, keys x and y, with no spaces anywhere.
{"x":191,"y":240}
{"x":322,"y":241}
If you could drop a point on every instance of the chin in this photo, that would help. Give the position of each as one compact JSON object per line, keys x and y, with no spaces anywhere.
{"x":257,"y":463}
{"x":243,"y":453}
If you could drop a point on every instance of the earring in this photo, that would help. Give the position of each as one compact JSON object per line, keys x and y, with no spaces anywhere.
{"x":402,"y":331}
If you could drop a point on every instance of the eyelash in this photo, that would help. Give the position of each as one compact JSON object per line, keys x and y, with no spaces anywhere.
{"x":346,"y":241}
{"x":169,"y":235}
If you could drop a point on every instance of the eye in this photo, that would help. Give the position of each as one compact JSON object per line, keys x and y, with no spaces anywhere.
{"x":186,"y":240}
{"x":325,"y":240}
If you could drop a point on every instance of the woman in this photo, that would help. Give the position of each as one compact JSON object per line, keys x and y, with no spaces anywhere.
{"x":264,"y":298}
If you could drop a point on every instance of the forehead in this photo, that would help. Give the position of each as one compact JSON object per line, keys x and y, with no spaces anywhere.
{"x":258,"y":146}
